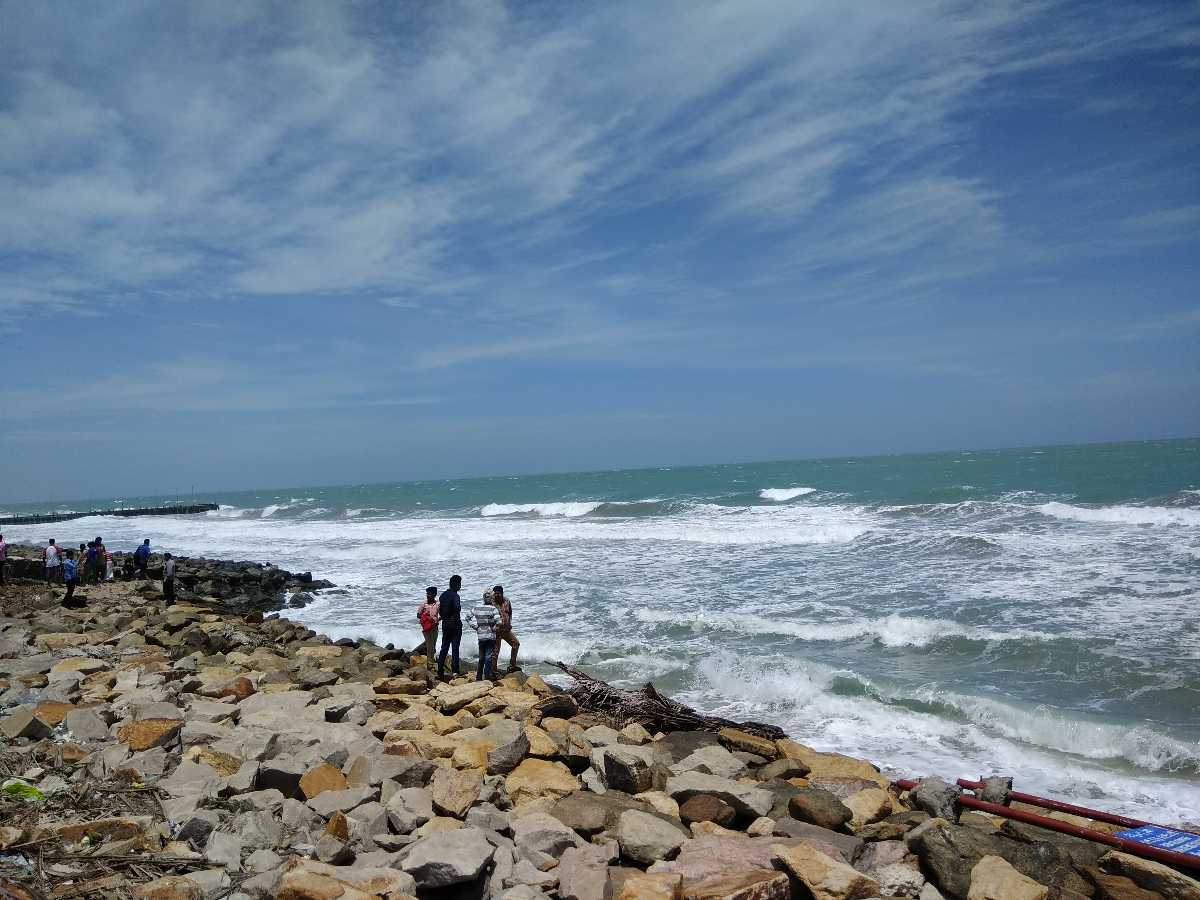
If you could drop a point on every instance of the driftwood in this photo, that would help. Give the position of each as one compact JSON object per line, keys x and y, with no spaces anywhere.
{"x":649,"y":708}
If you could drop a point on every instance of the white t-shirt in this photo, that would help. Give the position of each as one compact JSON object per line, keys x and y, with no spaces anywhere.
{"x":51,"y":557}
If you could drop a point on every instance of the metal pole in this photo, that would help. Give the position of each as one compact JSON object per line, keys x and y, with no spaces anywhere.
{"x":1058,"y":806}
{"x":1137,"y":848}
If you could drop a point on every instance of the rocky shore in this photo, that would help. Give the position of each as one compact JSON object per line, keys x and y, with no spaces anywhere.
{"x":204,"y":751}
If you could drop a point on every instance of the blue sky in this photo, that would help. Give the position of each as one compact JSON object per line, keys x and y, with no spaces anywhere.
{"x":264,"y":244}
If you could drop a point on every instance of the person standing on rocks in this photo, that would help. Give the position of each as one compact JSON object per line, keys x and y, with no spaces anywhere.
{"x":168,"y":585}
{"x":98,"y":570}
{"x":450,"y":615}
{"x":142,"y":555}
{"x":484,"y":620}
{"x":504,"y":630}
{"x":427,"y":615}
{"x":50,"y":554}
{"x":70,"y":580}
{"x":3,"y":557}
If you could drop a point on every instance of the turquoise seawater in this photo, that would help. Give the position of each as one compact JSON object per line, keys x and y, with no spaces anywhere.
{"x":1032,"y":612}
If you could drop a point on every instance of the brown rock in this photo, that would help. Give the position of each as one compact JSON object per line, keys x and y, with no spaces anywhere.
{"x":1117,"y":887}
{"x":339,"y":827}
{"x":868,"y":806}
{"x":147,"y":733}
{"x":239,"y":688}
{"x":535,"y":778}
{"x":651,"y":886}
{"x":735,"y":739}
{"x":824,"y":876}
{"x":752,"y":884}
{"x":322,"y":778}
{"x":455,"y":791}
{"x":994,"y":879}
{"x":706,"y":808}
{"x":52,"y":712}
{"x":107,"y":829}
{"x":1151,"y":875}
{"x":225,"y":764}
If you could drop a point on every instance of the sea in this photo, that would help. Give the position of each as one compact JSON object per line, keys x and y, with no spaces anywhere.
{"x":1028,"y":612}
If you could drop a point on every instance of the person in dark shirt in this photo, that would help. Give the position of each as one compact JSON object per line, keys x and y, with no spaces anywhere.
{"x":142,"y":555}
{"x":450,"y":616}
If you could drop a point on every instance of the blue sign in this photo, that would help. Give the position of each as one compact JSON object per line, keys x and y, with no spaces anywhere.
{"x":1164,"y":839}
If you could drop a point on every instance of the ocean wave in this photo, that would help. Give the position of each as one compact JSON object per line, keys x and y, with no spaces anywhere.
{"x":569,"y":510}
{"x":895,"y":630}
{"x":224,"y":511}
{"x":269,"y":511}
{"x":782,"y":495}
{"x":1122,"y":515}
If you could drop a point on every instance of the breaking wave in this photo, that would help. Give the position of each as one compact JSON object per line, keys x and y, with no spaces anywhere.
{"x":781,"y":495}
{"x":1123,"y":515}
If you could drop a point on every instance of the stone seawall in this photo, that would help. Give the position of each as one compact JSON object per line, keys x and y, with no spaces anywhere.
{"x":188,"y":752}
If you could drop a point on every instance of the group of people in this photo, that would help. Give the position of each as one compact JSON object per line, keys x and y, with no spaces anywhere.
{"x":95,"y":563}
{"x":491,"y":620}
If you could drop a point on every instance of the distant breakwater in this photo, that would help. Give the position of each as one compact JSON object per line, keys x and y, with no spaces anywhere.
{"x":175,"y":510}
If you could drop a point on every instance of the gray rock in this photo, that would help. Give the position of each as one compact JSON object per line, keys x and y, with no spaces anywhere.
{"x":936,"y":797}
{"x":281,"y":774}
{"x":583,"y":873}
{"x":489,"y":818}
{"x":192,"y":778}
{"x":409,"y":809}
{"x":646,"y":838}
{"x":539,"y":836}
{"x":262,"y":861}
{"x":84,"y":725}
{"x":843,"y":847}
{"x":367,"y":820}
{"x":749,"y":801}
{"x":996,"y":789}
{"x":526,"y":873}
{"x":224,"y":849}
{"x":589,"y":813}
{"x":601,"y":736}
{"x":508,"y":756}
{"x":453,"y":857}
{"x":258,"y":829}
{"x":196,"y":828}
{"x":297,"y":817}
{"x":22,"y":723}
{"x":819,"y":807}
{"x":782,"y":769}
{"x":333,"y":852}
{"x":522,"y":892}
{"x":626,"y":768}
{"x":270,"y":800}
{"x":681,"y":744}
{"x":713,"y":760}
{"x":242,"y":780}
{"x":326,"y":803}
{"x":214,"y":883}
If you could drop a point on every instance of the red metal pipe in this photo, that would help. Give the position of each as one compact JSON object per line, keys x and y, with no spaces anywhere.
{"x":1057,"y":805}
{"x":1100,"y":837}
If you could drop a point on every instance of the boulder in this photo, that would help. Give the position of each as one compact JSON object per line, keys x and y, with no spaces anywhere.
{"x":627,"y":769}
{"x":749,"y":801}
{"x":937,"y":798}
{"x":308,"y":879}
{"x":589,"y":813}
{"x":536,"y":778}
{"x":825,"y":877}
{"x":706,"y":808}
{"x":1151,"y":876}
{"x":508,"y":756}
{"x":994,"y":879}
{"x":322,"y":778}
{"x":583,"y":873}
{"x":746,"y":884}
{"x":819,"y":807}
{"x":455,"y":698}
{"x":23,"y":724}
{"x":736,"y":739}
{"x":409,"y":809}
{"x":646,"y":838}
{"x":454,"y":857}
{"x":782,"y":769}
{"x":540,"y":836}
{"x":713,"y":760}
{"x":648,"y":886}
{"x":868,"y":806}
{"x":327,"y":803}
{"x":454,"y":792}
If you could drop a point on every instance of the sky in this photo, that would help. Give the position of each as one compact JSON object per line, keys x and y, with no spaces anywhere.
{"x":286,"y":243}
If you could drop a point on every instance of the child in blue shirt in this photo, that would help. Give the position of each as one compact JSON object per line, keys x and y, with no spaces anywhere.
{"x":69,"y":578}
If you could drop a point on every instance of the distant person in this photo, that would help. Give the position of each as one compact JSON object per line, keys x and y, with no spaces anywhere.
{"x":168,"y":585}
{"x":70,"y":579}
{"x":142,"y":555}
{"x":89,"y":564}
{"x":427,"y":615}
{"x":108,"y":565}
{"x":483,"y":619}
{"x":450,"y":615}
{"x":127,"y":566}
{"x":51,"y":555}
{"x":3,"y":557}
{"x":504,"y":630}
{"x":101,"y":550}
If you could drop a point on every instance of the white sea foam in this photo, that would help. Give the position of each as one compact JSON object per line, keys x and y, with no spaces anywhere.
{"x":781,"y":495}
{"x":894,"y":630}
{"x":569,"y":510}
{"x":269,"y":511}
{"x":1123,"y":515}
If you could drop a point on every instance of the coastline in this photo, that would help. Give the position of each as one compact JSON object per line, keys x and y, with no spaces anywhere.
{"x":252,"y":757}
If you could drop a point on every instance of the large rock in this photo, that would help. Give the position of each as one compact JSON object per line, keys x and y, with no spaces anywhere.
{"x":994,"y":879}
{"x":409,"y":809}
{"x":307,"y":879}
{"x":647,"y":838}
{"x":508,"y":756}
{"x":589,"y":813}
{"x":455,"y":698}
{"x":627,"y":769}
{"x":830,"y":764}
{"x":147,"y":733}
{"x":736,"y":739}
{"x":719,"y":856}
{"x":1151,"y":876}
{"x":454,"y":792}
{"x":322,"y":778}
{"x":706,"y":808}
{"x":453,"y":857}
{"x":747,"y":884}
{"x":712,"y":760}
{"x":819,"y":807}
{"x":748,"y":800}
{"x":949,"y":852}
{"x":824,"y":876}
{"x":635,"y":885}
{"x":936,"y":797}
{"x":536,"y":778}
{"x":541,"y":837}
{"x":23,"y":724}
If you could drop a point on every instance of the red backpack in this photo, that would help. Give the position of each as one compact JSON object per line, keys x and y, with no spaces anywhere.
{"x":425,"y":617}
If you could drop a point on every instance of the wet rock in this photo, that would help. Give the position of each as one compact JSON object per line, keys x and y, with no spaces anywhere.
{"x":735,"y":739}
{"x":936,"y":797}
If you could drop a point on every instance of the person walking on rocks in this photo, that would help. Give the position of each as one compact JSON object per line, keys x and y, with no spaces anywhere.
{"x":427,"y":615}
{"x":89,"y":563}
{"x":50,"y":554}
{"x":3,"y":557}
{"x":504,"y":630}
{"x":450,"y":615}
{"x":98,"y":567}
{"x":142,"y":555}
{"x":484,"y":620}
{"x":168,"y":585}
